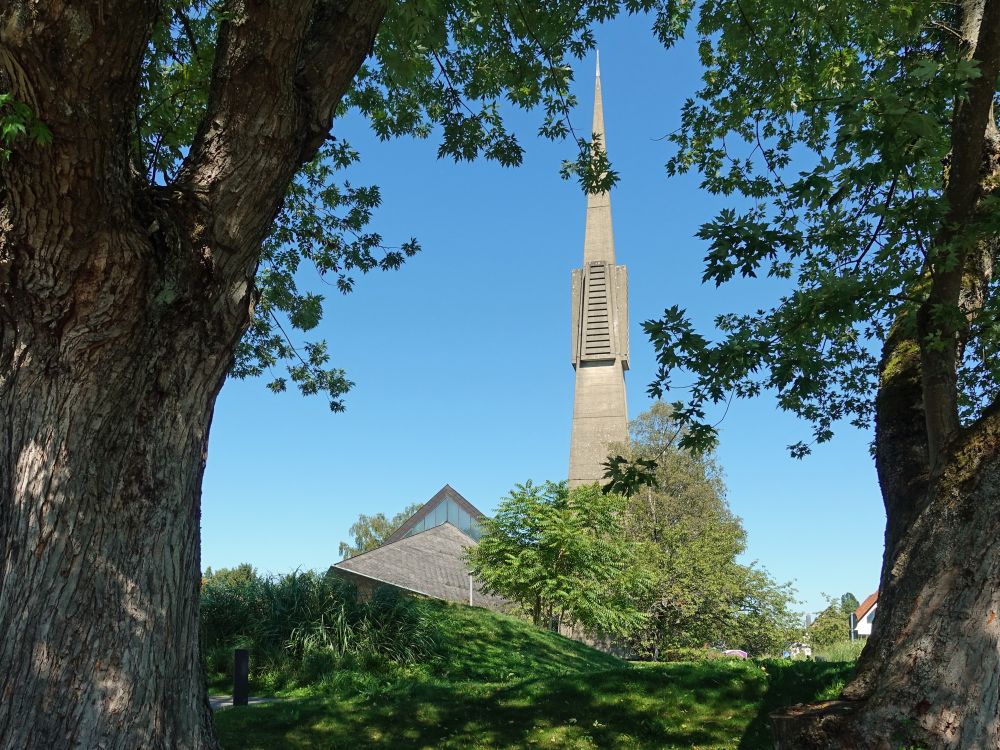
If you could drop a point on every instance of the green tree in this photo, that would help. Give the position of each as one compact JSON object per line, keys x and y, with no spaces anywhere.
{"x":370,"y":532}
{"x":849,"y":602}
{"x":563,"y":555}
{"x":832,"y":625}
{"x":242,"y":573}
{"x":862,"y":144}
{"x":702,"y":594}
{"x":167,"y":174}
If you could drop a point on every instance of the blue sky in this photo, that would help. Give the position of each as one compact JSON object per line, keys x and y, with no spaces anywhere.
{"x":461,"y":358}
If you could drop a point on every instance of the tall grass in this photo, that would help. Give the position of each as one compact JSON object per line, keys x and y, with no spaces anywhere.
{"x":301,"y":627}
{"x":840,"y":651}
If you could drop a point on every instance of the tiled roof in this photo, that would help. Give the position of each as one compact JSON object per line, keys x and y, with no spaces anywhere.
{"x":865,"y":606}
{"x":431,"y":562}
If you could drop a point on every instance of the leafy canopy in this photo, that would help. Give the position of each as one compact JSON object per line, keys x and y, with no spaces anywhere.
{"x":701,"y":592}
{"x":832,"y":625}
{"x":830,"y":123}
{"x":443,"y":68}
{"x":564,"y":554}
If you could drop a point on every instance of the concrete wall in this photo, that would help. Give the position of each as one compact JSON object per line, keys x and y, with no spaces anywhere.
{"x":599,"y":418}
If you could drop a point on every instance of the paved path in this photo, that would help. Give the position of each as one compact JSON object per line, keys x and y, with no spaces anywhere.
{"x":226,"y":701}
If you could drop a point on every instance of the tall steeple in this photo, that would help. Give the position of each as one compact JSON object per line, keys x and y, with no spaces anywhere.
{"x":599,"y":242}
{"x":600,"y":335}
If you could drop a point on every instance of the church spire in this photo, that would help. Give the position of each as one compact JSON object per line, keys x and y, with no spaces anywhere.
{"x":599,"y":240}
{"x":599,"y":336}
{"x":598,"y":101}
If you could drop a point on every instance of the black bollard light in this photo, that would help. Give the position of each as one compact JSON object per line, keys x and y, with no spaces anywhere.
{"x":241,"y":677}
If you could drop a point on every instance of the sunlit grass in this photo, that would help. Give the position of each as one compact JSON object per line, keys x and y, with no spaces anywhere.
{"x":503,"y":684}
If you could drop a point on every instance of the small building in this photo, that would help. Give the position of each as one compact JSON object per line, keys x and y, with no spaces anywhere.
{"x":426,"y":555}
{"x":863,"y":617}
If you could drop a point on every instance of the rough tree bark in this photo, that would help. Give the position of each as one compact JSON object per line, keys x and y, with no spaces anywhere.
{"x":930,"y":674}
{"x":121,"y":304}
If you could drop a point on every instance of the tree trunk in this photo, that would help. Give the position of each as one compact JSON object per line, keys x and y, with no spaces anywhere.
{"x":105,"y":421}
{"x":930,"y":674}
{"x":121,"y":306}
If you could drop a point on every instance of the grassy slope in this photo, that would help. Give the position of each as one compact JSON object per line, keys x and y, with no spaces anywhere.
{"x":481,"y":646}
{"x":503,"y":684}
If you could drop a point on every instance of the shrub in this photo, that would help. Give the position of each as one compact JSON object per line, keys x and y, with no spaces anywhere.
{"x":299,"y":627}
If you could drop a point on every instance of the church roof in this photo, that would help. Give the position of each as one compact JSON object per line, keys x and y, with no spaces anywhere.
{"x":447,"y":505}
{"x":430,"y":562}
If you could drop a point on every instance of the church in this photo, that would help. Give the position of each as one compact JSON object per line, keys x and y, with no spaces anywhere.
{"x":426,"y":555}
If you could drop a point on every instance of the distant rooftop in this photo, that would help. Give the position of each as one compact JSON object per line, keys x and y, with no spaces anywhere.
{"x":865,"y":607}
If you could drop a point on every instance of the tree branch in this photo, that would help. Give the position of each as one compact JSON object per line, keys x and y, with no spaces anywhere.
{"x":972,"y":125}
{"x":77,"y":65}
{"x":900,"y":430}
{"x":280,"y":71}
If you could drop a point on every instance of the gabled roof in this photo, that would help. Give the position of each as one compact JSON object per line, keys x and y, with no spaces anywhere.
{"x":431,"y":563}
{"x":445,"y":493}
{"x":865,"y":607}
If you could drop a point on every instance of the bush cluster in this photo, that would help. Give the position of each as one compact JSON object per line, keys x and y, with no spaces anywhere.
{"x":302,"y":627}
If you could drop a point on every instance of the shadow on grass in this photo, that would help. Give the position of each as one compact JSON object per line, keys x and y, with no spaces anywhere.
{"x":666,"y":706}
{"x":504,"y":686}
{"x":791,"y":683}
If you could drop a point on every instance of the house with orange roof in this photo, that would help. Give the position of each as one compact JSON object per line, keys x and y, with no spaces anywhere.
{"x":863,"y":617}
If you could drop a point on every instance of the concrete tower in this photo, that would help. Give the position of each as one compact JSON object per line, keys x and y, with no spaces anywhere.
{"x":600,"y":336}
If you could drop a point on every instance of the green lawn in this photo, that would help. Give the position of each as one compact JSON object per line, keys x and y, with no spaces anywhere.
{"x":503,"y":684}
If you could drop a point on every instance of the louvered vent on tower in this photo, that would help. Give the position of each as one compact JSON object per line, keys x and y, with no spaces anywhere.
{"x":597,"y":307}
{"x":600,"y":322}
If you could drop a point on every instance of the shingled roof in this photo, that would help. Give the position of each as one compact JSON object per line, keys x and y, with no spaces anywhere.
{"x":430,"y":562}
